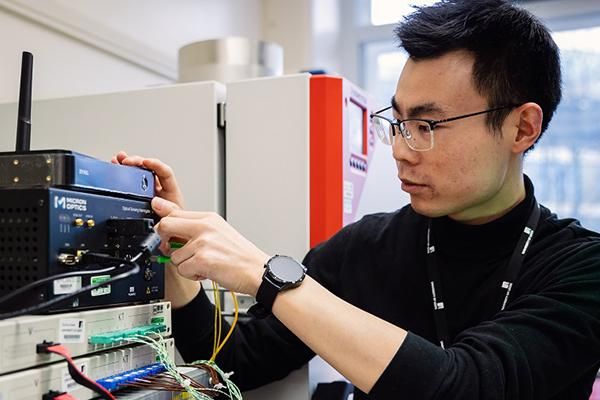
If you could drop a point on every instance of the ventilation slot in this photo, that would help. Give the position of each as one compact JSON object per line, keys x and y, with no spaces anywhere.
{"x":20,"y":250}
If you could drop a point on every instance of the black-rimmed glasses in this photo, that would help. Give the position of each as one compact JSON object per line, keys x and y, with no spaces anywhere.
{"x":417,"y":132}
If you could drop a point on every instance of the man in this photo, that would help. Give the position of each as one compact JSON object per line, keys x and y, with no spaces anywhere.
{"x":473,"y":291}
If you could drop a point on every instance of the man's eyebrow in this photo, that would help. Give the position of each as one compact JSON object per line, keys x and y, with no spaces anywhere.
{"x":395,"y":105}
{"x":421,"y":109}
{"x":418,"y":110}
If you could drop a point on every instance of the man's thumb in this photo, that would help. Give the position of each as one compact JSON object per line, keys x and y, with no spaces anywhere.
{"x":163,"y":207}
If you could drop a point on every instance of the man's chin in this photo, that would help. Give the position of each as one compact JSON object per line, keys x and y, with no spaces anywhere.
{"x":427,"y":209}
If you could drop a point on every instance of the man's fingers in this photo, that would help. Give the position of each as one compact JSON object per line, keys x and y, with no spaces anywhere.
{"x":157,"y":186}
{"x":189,"y":269}
{"x":165,"y":248}
{"x":164,"y":175}
{"x":121,"y":155}
{"x":163,"y":207}
{"x":183,"y":254}
{"x":183,"y":228}
{"x":126,"y":159}
{"x":163,"y":172}
{"x":134,"y":161}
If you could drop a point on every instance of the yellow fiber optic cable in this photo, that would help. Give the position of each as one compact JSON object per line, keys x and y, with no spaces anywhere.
{"x":235,"y":319}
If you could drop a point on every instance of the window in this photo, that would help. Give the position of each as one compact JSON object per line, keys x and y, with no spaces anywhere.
{"x":565,"y":165}
{"x":390,"y":11}
{"x":383,"y":63}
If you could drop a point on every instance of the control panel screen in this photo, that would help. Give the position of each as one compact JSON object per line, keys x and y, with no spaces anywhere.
{"x":356,"y":128}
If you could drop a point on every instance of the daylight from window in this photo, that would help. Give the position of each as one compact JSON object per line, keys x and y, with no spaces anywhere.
{"x":389,"y":11}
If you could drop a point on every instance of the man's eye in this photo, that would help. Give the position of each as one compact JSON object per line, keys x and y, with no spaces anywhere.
{"x":423,"y":127}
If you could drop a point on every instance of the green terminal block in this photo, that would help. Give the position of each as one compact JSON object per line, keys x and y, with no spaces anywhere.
{"x":119,"y":336}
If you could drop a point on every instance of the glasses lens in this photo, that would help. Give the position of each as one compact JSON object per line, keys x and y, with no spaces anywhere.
{"x":383,"y":129}
{"x":417,"y":134}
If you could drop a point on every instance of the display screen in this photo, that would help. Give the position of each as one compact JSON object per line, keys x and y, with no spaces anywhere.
{"x":356,"y":128}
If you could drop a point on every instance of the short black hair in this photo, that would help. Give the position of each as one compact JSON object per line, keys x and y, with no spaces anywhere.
{"x":516,"y":59}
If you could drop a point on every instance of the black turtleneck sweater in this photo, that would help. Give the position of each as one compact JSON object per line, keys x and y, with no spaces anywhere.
{"x":544,"y":345}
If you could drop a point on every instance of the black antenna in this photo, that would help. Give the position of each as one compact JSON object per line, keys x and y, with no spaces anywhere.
{"x":24,"y":117}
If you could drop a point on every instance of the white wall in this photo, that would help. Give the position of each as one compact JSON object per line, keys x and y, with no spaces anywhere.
{"x":166,"y":25}
{"x":62,"y":66}
{"x":93,"y":46}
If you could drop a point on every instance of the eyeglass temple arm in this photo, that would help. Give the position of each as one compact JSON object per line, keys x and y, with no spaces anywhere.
{"x":380,"y":111}
{"x":471,"y":114}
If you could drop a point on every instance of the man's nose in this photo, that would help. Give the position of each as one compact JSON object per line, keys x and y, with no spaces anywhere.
{"x":402,"y":152}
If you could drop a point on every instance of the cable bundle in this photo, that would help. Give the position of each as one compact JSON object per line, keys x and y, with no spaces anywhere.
{"x":173,"y":380}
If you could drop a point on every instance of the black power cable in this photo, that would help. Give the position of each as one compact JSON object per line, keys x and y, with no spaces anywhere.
{"x":45,"y":305}
{"x":148,"y":246}
{"x":40,"y":282}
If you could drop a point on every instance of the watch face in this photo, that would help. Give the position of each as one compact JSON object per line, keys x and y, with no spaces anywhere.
{"x":286,"y":269}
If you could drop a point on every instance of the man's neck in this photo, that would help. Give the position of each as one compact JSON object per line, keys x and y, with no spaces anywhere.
{"x":505,"y":200}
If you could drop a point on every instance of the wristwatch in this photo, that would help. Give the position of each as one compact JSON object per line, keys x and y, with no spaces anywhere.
{"x":281,"y":273}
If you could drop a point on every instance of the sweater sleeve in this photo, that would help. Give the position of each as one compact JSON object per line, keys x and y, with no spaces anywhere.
{"x":543,"y":343}
{"x":259,"y":351}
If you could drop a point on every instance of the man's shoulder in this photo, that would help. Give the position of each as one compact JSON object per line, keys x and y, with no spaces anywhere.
{"x":564,"y":229}
{"x":372,"y":237}
{"x":375,"y":229}
{"x":565,"y":242}
{"x":403,"y":219}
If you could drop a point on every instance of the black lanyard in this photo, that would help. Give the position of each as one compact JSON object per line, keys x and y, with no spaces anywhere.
{"x":512,"y":272}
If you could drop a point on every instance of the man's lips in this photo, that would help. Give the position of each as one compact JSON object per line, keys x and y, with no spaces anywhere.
{"x":410,"y":182}
{"x":411,"y":186}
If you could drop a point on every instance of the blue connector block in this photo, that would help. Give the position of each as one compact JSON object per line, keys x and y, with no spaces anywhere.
{"x":113,"y":382}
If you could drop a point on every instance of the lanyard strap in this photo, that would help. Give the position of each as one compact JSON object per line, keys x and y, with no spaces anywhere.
{"x":512,"y":272}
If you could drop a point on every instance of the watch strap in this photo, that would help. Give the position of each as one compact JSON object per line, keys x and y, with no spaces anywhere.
{"x":265,"y":297}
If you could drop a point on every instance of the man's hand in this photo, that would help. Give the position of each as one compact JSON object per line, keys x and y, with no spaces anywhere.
{"x":212,"y":250}
{"x":178,"y":290}
{"x":166,"y":185}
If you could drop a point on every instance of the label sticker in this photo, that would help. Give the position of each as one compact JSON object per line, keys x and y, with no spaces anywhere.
{"x":348,"y":196}
{"x":102,"y":290}
{"x":67,"y":285}
{"x":72,"y":330}
{"x":68,"y":384}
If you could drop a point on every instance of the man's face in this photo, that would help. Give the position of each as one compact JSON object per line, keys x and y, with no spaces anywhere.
{"x":465,"y":174}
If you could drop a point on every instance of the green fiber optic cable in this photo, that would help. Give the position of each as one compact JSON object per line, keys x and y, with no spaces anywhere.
{"x":161,"y":259}
{"x":167,"y":259}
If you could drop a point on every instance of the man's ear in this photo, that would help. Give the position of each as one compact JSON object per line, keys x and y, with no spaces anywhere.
{"x":529,"y":126}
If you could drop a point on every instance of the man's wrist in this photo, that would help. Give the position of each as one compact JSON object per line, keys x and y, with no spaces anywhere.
{"x":257,"y":272}
{"x":281,"y":273}
{"x":179,"y":290}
